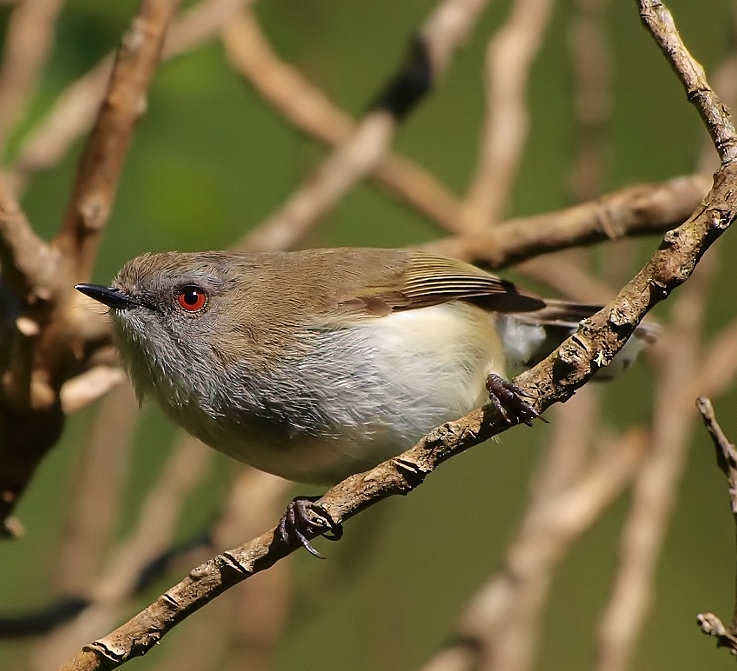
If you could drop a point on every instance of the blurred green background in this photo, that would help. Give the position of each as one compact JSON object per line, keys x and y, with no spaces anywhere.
{"x":210,"y":159}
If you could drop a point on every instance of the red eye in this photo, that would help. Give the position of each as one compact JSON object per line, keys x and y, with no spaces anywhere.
{"x":191,"y":299}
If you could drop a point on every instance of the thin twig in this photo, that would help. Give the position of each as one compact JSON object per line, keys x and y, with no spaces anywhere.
{"x":726,"y":455}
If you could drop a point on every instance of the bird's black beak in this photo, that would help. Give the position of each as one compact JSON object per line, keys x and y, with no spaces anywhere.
{"x":110,"y":296}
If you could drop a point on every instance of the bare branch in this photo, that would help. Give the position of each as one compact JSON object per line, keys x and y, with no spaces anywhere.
{"x":659,"y":21}
{"x":348,"y":164}
{"x":74,"y":111}
{"x":719,"y":364}
{"x":99,"y":486}
{"x":310,"y":110}
{"x":102,"y":160}
{"x":359,"y":156}
{"x":726,"y":455}
{"x":634,"y":210}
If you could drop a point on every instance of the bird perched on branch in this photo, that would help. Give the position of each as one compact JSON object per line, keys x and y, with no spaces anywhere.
{"x":317,"y":364}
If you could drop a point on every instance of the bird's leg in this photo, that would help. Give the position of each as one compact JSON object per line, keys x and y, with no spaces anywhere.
{"x":304,"y":516}
{"x":507,"y":399}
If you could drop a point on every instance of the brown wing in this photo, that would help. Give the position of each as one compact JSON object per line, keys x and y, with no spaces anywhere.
{"x":432,"y":280}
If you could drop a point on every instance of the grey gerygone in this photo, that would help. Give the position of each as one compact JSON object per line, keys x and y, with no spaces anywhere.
{"x":317,"y":364}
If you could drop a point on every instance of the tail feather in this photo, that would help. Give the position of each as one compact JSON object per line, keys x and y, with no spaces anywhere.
{"x":529,"y":337}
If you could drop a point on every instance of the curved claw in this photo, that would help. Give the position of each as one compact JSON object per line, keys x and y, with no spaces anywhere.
{"x":507,"y":399}
{"x":304,"y":516}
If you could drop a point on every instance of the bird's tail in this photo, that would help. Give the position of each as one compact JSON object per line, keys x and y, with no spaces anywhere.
{"x":529,"y":337}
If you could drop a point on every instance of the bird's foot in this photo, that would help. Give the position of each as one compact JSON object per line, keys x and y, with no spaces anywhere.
{"x":507,"y":399}
{"x":304,"y":516}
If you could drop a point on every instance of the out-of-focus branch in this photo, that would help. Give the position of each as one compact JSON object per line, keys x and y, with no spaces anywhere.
{"x":635,"y":210}
{"x":45,"y":346}
{"x":99,"y":167}
{"x":589,"y":49}
{"x":28,"y":42}
{"x":261,"y":607}
{"x":567,"y":278}
{"x":554,"y":379}
{"x":151,"y":536}
{"x":509,"y":57}
{"x":347,"y":165}
{"x":74,"y":111}
{"x":655,"y":487}
{"x":514,"y":595}
{"x":102,"y":475}
{"x":726,"y":455}
{"x":358,"y":157}
{"x":310,"y":110}
{"x":88,"y":386}
{"x":500,"y":626}
{"x":719,"y":364}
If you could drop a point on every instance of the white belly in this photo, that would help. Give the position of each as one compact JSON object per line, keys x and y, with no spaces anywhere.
{"x":384,"y":383}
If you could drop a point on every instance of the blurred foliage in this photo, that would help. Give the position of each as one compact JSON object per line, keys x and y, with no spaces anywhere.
{"x":210,"y":159}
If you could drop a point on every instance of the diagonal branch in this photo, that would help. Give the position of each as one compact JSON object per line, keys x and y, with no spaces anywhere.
{"x":46,"y":345}
{"x":553,"y":380}
{"x":305,"y":106}
{"x":99,"y":167}
{"x":641,"y":209}
{"x":350,"y":162}
{"x":659,"y":21}
{"x":73,"y":112}
{"x":509,"y":57}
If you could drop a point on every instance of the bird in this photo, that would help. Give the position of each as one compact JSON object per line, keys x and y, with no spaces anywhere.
{"x":320,"y":363}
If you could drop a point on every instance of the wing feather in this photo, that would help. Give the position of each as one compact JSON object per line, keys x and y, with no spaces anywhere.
{"x":428,"y":280}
